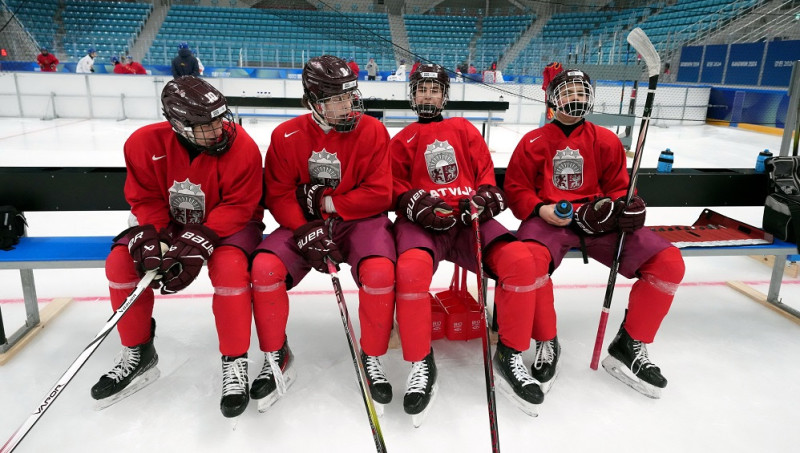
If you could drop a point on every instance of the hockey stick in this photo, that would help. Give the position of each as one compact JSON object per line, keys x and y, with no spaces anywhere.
{"x":645,"y":48}
{"x":73,"y":369}
{"x":355,"y":351}
{"x":488,"y":370}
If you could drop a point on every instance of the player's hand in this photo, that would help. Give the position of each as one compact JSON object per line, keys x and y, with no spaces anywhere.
{"x":145,"y":248}
{"x":430,"y":212}
{"x":632,"y":216}
{"x":488,"y":200}
{"x":316,"y":245}
{"x":310,"y":198}
{"x":598,"y":216}
{"x":185,"y":257}
{"x":548,"y":214}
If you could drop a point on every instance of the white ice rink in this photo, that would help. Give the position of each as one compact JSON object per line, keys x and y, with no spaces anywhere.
{"x":732,"y":364}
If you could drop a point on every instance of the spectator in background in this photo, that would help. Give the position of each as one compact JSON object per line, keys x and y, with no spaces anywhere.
{"x":47,"y":61}
{"x":372,"y":69}
{"x":119,"y":68}
{"x":472,"y":69}
{"x":185,"y":63}
{"x":415,"y":66}
{"x":353,"y":67}
{"x":199,"y":63}
{"x":86,"y":64}
{"x":400,"y":74}
{"x":135,"y":67}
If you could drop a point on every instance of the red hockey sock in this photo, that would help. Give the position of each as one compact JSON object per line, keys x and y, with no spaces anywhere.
{"x":232,"y":300}
{"x":414,"y":275}
{"x":270,"y":301}
{"x":544,"y":321}
{"x":651,"y":295}
{"x":134,"y":327}
{"x":376,"y":304}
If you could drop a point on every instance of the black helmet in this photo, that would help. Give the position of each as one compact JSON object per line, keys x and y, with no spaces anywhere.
{"x":189,"y":102}
{"x":428,"y":73}
{"x":325,"y":77}
{"x":567,"y":81}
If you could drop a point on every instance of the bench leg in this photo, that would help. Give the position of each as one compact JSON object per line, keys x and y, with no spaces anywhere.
{"x":772,"y":299}
{"x":31,"y":310}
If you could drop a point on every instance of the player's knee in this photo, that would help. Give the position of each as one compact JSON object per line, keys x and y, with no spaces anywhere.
{"x":376,"y":275}
{"x":268,"y":273}
{"x":516,"y":268}
{"x":227,"y":268}
{"x":414,"y":272}
{"x":665,"y":270}
{"x":120,"y":269}
{"x":541,"y":256}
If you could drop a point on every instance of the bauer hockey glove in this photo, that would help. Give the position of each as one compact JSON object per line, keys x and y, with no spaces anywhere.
{"x":425,"y":210}
{"x":316,"y":245}
{"x":598,"y":216}
{"x":489,"y":201}
{"x":632,"y":216}
{"x":310,"y":198}
{"x":145,"y":248}
{"x":185,"y":257}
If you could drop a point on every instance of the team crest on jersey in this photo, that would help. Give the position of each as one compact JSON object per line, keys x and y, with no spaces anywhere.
{"x":324,"y":168}
{"x":187,"y":202}
{"x":440,"y":158}
{"x":568,"y":169}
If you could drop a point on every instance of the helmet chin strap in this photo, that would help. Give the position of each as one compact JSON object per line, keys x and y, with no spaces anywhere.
{"x":319,"y":118}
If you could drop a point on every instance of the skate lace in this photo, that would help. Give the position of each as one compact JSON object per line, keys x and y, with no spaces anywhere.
{"x":127,"y":361}
{"x":271,"y":368}
{"x":545,"y":353}
{"x":641,"y":360}
{"x":234,"y":377}
{"x":418,"y":379}
{"x":375,"y":370}
{"x":519,"y":370}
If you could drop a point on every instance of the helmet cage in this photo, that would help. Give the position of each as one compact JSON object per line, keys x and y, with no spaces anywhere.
{"x":342,"y":112}
{"x":434,"y":74}
{"x":571,"y":93}
{"x":226,"y":136}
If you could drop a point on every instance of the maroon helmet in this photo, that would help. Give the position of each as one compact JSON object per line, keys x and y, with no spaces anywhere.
{"x":565,"y":83}
{"x":428,"y":73}
{"x":191,"y":105}
{"x":327,"y":80}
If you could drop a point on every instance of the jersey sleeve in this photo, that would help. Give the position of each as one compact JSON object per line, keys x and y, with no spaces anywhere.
{"x":401,"y":166}
{"x":519,"y":185}
{"x":482,"y":158}
{"x":240,"y":188}
{"x":142,"y":188}
{"x":280,"y":184}
{"x":614,"y":179}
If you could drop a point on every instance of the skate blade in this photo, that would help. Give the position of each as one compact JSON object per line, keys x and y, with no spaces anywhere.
{"x":265,"y":403}
{"x":526,"y":407}
{"x":625,"y":375}
{"x":417,"y":419}
{"x":140,"y":382}
{"x":546,"y":386}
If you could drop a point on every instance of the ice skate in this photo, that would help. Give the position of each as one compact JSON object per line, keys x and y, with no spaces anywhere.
{"x":545,"y":363}
{"x":135,"y":369}
{"x":628,"y":362}
{"x":421,"y":389}
{"x":276,"y":376}
{"x":235,"y":395}
{"x":379,"y":387}
{"x":515,"y":382}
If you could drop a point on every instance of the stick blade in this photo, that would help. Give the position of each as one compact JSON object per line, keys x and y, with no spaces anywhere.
{"x":639,"y":41}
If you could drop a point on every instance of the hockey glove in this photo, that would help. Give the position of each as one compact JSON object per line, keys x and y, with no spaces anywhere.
{"x":632,"y":216}
{"x":185,"y":257}
{"x":145,"y":248}
{"x":489,"y":201}
{"x":427,"y":211}
{"x":598,"y":216}
{"x":316,"y":245}
{"x":310,"y":198}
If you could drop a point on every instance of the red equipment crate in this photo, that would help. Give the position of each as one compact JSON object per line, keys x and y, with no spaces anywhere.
{"x":438,"y":319}
{"x":463,"y":314}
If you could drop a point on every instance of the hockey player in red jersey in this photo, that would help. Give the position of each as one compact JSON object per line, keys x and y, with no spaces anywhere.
{"x":572,"y":159}
{"x":436,"y":164}
{"x":194,"y":185}
{"x":328,"y":185}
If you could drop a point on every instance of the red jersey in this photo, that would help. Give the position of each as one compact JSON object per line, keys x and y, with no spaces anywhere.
{"x":448,"y":158}
{"x":548,"y":166}
{"x":48,"y":63}
{"x":355,"y":165}
{"x":135,"y":67}
{"x":221,"y":192}
{"x":353,"y":67}
{"x":121,"y":69}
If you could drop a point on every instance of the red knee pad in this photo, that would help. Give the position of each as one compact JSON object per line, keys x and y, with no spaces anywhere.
{"x":227,"y":267}
{"x":268,"y":270}
{"x":120,"y":267}
{"x":376,"y":272}
{"x":541,"y":255}
{"x":665,"y":266}
{"x":414,"y":271}
{"x":513,"y":264}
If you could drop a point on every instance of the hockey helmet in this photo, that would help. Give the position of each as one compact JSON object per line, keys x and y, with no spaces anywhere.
{"x":183,"y":45}
{"x":199,"y":112}
{"x":434,"y":74}
{"x":330,"y":91}
{"x":571,"y":93}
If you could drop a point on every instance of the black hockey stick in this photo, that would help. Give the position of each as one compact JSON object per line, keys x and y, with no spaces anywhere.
{"x":73,"y":369}
{"x":639,"y":40}
{"x":355,"y":351}
{"x":488,"y":370}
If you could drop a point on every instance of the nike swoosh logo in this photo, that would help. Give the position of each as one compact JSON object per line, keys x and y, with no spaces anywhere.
{"x":159,"y":157}
{"x":412,"y":138}
{"x":285,"y":135}
{"x":534,"y":139}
